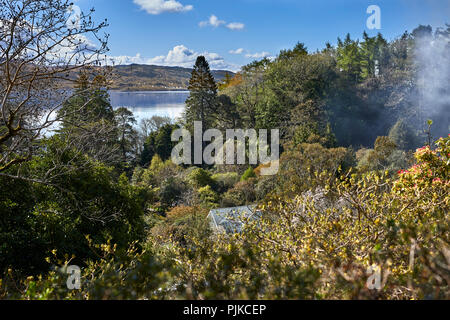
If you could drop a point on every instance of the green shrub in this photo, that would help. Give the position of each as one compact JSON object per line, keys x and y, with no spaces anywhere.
{"x":208,"y":196}
{"x":226,"y":180}
{"x":249,"y":173}
{"x":200,"y":178}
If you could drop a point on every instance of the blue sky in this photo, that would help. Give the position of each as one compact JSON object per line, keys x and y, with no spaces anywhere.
{"x":232,"y":33}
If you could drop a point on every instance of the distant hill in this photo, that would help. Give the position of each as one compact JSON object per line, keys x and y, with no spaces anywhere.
{"x":138,"y":77}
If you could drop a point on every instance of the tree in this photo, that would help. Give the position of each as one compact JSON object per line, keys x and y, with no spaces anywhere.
{"x":349,"y":58}
{"x":422,"y":32}
{"x":228,"y":115}
{"x":78,"y":200}
{"x":38,"y":52}
{"x":147,"y":126}
{"x":403,"y":136}
{"x":296,"y":89}
{"x":158,"y":143}
{"x":298,"y":50}
{"x":201,"y":104}
{"x":125,"y":121}
{"x":379,"y":158}
{"x":247,"y":93}
{"x":89,"y":103}
{"x":88,"y":120}
{"x":373,"y":55}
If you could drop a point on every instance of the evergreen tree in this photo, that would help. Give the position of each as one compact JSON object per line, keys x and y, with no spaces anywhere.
{"x":373,"y":55}
{"x":128,"y":136}
{"x":158,"y":143}
{"x":90,"y":103}
{"x":299,"y":50}
{"x":87,"y":120}
{"x":201,"y":104}
{"x":403,"y":136}
{"x":349,"y":57}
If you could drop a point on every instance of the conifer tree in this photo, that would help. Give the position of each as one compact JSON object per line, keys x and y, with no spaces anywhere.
{"x":201,"y":104}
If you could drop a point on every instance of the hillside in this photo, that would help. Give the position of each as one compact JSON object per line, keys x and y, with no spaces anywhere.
{"x":151,"y":78}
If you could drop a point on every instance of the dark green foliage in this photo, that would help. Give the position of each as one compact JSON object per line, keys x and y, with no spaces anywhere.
{"x":298,"y":50}
{"x":89,"y":104}
{"x":127,"y":134}
{"x":88,"y":121}
{"x":158,"y":143}
{"x":403,"y":136}
{"x":227,"y":114}
{"x":84,"y":198}
{"x":202,"y":102}
{"x":21,"y":243}
{"x":201,"y":178}
{"x":249,"y":173}
{"x":171,"y":192}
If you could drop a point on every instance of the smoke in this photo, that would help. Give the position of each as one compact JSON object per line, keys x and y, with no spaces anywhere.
{"x":432,"y":59}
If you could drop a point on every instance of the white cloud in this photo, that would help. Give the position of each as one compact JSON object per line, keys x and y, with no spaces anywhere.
{"x":179,"y":56}
{"x":121,"y":60}
{"x":213,"y":21}
{"x":74,"y":50}
{"x":258,"y":55}
{"x":237,"y":51}
{"x":235,"y":26}
{"x":160,"y":6}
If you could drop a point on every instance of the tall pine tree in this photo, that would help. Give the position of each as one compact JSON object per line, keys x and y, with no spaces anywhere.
{"x":202,"y":101}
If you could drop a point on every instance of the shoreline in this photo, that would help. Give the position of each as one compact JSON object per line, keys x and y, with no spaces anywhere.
{"x":149,"y":90}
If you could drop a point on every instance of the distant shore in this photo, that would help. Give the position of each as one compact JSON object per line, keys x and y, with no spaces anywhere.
{"x":148,"y":89}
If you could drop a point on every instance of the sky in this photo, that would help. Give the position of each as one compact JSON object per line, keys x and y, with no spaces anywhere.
{"x":233,"y":33}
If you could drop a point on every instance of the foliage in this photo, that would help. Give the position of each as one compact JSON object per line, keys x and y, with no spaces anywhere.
{"x":308,"y":166}
{"x":86,"y":198}
{"x":158,"y":143}
{"x":298,"y":248}
{"x":241,"y":194}
{"x":208,"y":197}
{"x":403,"y":136}
{"x":201,"y":104}
{"x":249,"y":173}
{"x":200,"y":178}
{"x":225,"y":181}
{"x":127,"y":135}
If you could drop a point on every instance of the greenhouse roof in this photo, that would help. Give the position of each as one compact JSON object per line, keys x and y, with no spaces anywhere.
{"x":231,"y":220}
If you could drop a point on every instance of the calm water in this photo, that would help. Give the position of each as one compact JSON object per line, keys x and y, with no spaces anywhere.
{"x":146,"y":104}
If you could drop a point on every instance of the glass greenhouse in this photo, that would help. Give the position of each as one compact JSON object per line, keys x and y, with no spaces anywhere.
{"x":232,"y":220}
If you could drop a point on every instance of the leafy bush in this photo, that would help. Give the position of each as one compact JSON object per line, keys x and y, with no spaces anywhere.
{"x":200,"y":178}
{"x":225,"y":181}
{"x":208,"y":196}
{"x":241,"y":194}
{"x":403,"y":136}
{"x":84,"y":198}
{"x":249,"y":173}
